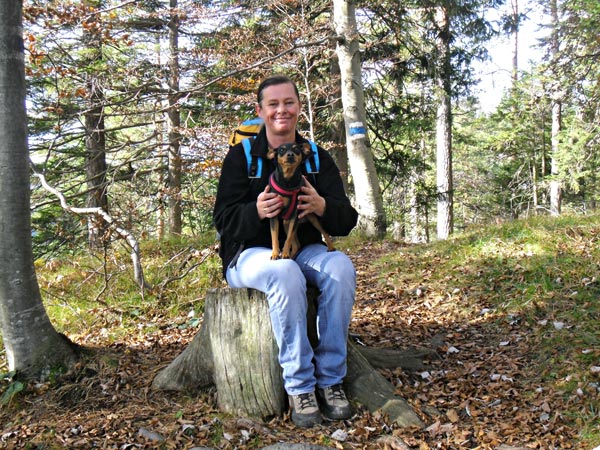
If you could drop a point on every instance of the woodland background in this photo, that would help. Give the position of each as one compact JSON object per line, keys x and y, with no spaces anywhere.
{"x":131,"y":104}
{"x":129,"y":108}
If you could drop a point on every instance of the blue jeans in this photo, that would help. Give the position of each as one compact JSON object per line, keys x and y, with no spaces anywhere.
{"x":284,"y":283}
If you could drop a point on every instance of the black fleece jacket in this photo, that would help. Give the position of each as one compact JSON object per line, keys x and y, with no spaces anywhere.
{"x":235,"y":215}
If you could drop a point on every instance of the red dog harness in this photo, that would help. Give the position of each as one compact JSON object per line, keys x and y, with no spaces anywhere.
{"x":288,"y":211}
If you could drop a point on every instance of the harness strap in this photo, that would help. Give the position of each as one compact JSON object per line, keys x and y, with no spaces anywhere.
{"x":288,"y":211}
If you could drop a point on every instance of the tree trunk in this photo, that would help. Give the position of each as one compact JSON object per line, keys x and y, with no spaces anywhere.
{"x":236,"y":351}
{"x":95,"y":141}
{"x":417,"y":216}
{"x":555,"y":185}
{"x":444,"y":128}
{"x":33,"y":347}
{"x":514,"y":31}
{"x":162,"y":157}
{"x":95,"y":163}
{"x":368,"y":199}
{"x":336,"y":132}
{"x":417,"y":206}
{"x":174,"y":119}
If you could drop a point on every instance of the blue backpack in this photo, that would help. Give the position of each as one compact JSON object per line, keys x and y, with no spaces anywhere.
{"x":246,"y":133}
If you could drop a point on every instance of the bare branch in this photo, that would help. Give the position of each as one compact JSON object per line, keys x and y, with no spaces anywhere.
{"x":333,"y":38}
{"x":99,"y":212}
{"x":204,"y":254}
{"x":100,"y":11}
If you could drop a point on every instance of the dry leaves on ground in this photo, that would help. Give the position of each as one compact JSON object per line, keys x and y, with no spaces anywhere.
{"x":479,"y":394}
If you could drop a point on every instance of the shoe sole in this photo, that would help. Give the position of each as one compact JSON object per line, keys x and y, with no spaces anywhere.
{"x":305,"y":421}
{"x":342,"y":415}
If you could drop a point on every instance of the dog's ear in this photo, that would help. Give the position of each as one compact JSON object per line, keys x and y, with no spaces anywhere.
{"x":306,"y":150}
{"x":271,"y":153}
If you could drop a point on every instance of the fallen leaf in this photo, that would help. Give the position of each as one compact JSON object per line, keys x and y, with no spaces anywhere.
{"x":452,"y":415}
{"x":393,"y":443}
{"x":150,"y":435}
{"x":339,"y":435}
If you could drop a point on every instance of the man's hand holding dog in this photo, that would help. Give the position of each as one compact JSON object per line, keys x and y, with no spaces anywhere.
{"x":268,"y":204}
{"x":309,"y":201}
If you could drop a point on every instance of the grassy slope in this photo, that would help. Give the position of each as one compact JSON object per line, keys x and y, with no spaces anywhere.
{"x":536,"y":278}
{"x":539,"y":279}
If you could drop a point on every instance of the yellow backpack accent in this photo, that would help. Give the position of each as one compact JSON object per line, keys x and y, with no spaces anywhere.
{"x":248,"y":128}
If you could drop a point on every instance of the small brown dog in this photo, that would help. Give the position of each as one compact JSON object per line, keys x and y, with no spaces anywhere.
{"x":287,"y":181}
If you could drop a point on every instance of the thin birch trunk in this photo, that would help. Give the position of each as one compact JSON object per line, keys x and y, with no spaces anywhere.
{"x":368,"y":199}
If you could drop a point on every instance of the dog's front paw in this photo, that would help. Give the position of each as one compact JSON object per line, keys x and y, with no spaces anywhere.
{"x":274,"y":256}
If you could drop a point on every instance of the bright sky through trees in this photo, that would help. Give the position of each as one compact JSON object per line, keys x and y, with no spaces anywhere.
{"x":496,"y":74}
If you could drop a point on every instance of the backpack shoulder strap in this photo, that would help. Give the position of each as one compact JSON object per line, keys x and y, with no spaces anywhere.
{"x":312,"y":163}
{"x":254,"y":162}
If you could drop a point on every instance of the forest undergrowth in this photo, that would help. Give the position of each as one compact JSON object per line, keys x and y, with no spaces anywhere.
{"x":512,"y":311}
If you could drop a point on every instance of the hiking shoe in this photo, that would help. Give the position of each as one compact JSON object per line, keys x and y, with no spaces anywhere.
{"x":333,"y":402}
{"x":305,"y":410}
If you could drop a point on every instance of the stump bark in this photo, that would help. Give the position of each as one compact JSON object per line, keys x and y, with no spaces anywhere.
{"x":236,"y":352}
{"x":246,"y":372}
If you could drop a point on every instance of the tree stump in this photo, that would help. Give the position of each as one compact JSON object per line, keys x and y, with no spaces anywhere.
{"x":247,"y":374}
{"x":236,"y":352}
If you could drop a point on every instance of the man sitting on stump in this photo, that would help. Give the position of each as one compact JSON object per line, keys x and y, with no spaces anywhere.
{"x":244,"y":206}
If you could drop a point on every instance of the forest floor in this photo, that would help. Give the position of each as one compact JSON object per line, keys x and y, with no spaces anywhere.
{"x":490,"y":388}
